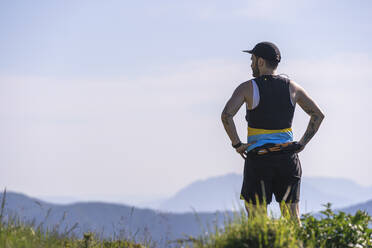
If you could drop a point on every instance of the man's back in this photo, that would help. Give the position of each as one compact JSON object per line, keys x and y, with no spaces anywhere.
{"x":270,"y":117}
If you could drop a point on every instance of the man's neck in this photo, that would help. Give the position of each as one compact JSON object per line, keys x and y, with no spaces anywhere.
{"x":267,"y":72}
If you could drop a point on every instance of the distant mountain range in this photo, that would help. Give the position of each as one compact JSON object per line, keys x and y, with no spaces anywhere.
{"x":116,"y":220}
{"x":110,"y":220}
{"x":365,"y":206}
{"x":222,"y":193}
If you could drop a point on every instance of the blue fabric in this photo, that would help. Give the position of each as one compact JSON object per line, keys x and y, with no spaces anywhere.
{"x":276,"y":138}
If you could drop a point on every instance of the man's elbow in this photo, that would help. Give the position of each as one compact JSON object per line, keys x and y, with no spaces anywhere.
{"x":225,"y":117}
{"x":320,"y":115}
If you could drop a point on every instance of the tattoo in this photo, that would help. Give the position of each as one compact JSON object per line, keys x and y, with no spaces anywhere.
{"x":225,"y":118}
{"x":225,"y":122}
{"x":308,"y":135}
{"x":312,"y":128}
{"x":308,"y":110}
{"x":228,"y":123}
{"x":231,"y":108}
{"x":312,"y":124}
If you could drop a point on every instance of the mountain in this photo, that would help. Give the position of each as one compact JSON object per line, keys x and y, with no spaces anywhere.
{"x":222,"y":193}
{"x":365,"y":206}
{"x":115,"y":220}
{"x":143,"y":201}
{"x":110,"y":220}
{"x":216,"y":193}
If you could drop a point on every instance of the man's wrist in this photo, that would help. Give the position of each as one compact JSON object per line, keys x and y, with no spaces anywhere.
{"x":237,"y":145}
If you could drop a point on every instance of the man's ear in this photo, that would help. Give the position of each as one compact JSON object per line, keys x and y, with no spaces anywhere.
{"x":261,"y":62}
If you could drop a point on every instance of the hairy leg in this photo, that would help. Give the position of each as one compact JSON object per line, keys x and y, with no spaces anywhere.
{"x":253,"y":209}
{"x":294,"y":211}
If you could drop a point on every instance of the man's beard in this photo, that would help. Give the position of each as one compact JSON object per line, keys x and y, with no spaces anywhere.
{"x":255,"y":70}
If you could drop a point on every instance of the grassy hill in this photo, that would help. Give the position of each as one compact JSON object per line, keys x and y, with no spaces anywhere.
{"x":108,"y":220}
{"x":334,"y":230}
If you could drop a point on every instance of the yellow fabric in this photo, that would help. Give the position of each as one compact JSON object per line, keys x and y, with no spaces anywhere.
{"x":257,"y":131}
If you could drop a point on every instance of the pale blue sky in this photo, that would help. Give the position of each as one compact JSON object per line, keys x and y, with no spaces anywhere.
{"x":107,"y":38}
{"x":119,"y":97}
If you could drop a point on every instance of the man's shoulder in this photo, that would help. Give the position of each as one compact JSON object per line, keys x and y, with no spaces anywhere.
{"x":294,"y":85}
{"x":246,"y":83}
{"x":246,"y":86}
{"x":244,"y":89}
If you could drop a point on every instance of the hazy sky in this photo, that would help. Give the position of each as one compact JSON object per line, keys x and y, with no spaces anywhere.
{"x":124,"y":97}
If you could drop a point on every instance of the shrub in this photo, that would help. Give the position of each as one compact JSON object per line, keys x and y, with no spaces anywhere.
{"x":337,"y":230}
{"x":257,"y":230}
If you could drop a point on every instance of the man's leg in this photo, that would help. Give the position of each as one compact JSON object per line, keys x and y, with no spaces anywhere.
{"x":256,"y":186}
{"x":288,"y":191}
{"x":293,"y":209}
{"x":253,"y":209}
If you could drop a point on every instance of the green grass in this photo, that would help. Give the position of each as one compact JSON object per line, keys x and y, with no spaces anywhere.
{"x":258,"y":231}
{"x":17,"y":234}
{"x":333,"y":230}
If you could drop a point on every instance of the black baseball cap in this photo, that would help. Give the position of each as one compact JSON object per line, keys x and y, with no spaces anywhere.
{"x":266,"y":50}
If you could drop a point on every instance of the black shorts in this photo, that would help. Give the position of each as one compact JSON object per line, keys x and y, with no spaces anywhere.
{"x":278,"y":173}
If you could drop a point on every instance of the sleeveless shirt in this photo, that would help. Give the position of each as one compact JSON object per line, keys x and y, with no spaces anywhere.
{"x":271,"y":120}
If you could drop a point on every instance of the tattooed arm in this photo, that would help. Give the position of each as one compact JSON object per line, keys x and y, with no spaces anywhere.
{"x":240,"y":96}
{"x":311,"y":108}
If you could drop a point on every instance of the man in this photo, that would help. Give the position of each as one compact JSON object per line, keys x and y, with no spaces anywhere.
{"x":271,"y":161}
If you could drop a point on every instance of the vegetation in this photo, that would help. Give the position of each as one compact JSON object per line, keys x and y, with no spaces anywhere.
{"x":17,"y":234}
{"x":333,"y":230}
{"x":337,"y":230}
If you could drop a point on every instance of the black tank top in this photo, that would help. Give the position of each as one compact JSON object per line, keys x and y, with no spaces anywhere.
{"x":275,"y":109}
